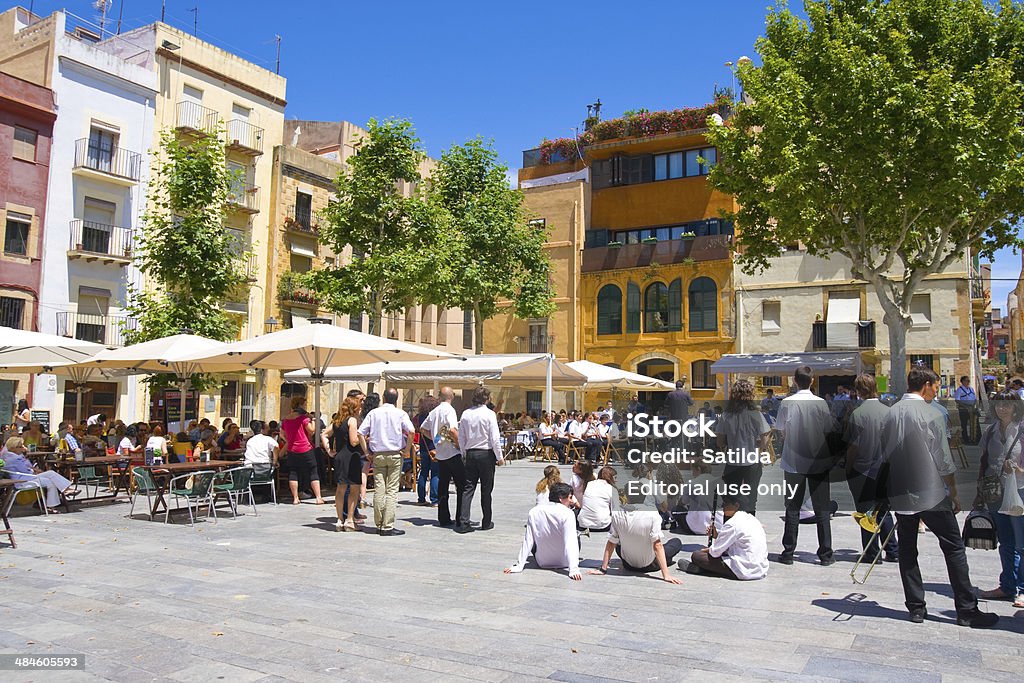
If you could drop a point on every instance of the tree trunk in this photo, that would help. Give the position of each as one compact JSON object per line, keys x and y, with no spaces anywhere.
{"x":478,"y":325}
{"x":898,"y":326}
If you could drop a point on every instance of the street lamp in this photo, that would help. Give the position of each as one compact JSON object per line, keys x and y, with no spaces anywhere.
{"x":269,"y":324}
{"x":729,"y":65}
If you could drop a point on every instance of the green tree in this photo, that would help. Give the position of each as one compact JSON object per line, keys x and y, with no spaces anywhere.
{"x":887,"y":131}
{"x":487,"y":250}
{"x":385,"y":227}
{"x":193,"y":262}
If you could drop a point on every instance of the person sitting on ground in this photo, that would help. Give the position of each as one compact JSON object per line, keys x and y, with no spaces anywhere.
{"x":600,"y":499}
{"x":739,"y":550}
{"x":18,"y":468}
{"x":635,"y":536}
{"x":552,"y":476}
{"x":551,"y":535}
{"x":582,"y":474}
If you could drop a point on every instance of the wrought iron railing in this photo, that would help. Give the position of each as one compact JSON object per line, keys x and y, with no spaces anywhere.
{"x":98,"y":238}
{"x":108,"y":330}
{"x":194,"y":116}
{"x":243,"y":134}
{"x":113,"y":161}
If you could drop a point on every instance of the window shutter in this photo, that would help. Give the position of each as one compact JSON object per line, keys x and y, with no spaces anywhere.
{"x":675,"y":305}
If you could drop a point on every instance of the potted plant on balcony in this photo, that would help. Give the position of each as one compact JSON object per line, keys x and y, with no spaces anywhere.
{"x":650,"y":240}
{"x":687,"y":235}
{"x":614,"y":244}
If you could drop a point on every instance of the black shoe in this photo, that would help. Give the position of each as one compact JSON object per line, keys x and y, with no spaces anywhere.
{"x":977,"y":619}
{"x":446,"y":524}
{"x":486,"y":527}
{"x":391,"y":532}
{"x":305,"y":496}
{"x":892,"y":557}
{"x":688,"y":567}
{"x":785,"y":559}
{"x":464,"y":529}
{"x":917,"y":616}
{"x":826,"y":561}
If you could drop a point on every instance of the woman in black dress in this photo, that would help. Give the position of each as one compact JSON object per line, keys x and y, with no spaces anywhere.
{"x":348,"y":446}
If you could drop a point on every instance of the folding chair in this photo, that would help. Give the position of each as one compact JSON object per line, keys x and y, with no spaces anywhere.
{"x":957,"y":447}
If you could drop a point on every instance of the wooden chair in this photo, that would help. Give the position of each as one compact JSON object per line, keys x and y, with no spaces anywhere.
{"x":609,"y":452}
{"x":957,"y":447}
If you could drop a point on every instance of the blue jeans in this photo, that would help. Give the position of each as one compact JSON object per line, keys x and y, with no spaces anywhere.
{"x":428,"y":468}
{"x":1010,"y":532}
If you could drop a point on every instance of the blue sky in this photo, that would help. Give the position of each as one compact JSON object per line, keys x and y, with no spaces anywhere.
{"x":514,"y":73}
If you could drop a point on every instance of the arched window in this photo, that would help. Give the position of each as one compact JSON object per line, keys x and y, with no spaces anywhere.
{"x":703,"y":305}
{"x":609,"y":310}
{"x":632,"y":308}
{"x":701,"y":376}
{"x":656,"y":307}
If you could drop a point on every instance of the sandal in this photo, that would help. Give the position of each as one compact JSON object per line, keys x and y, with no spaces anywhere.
{"x":1018,"y":602}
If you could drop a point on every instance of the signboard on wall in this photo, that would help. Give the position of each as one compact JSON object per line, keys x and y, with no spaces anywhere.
{"x":43,"y":418}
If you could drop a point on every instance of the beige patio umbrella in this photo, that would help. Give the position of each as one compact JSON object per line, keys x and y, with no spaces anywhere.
{"x":314,"y":347}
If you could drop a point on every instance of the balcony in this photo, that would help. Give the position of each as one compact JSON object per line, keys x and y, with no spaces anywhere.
{"x":251,"y":266}
{"x":291,"y":290}
{"x":108,"y":244}
{"x":244,"y":197}
{"x":300,"y":221}
{"x":113,"y":164}
{"x":244,"y":137}
{"x":100,"y":329}
{"x":663,"y":252}
{"x":865,"y":336}
{"x":194,"y":118}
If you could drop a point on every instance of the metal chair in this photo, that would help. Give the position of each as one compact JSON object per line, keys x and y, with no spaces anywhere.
{"x":84,"y":476}
{"x":27,"y":482}
{"x":238,"y":482}
{"x":143,"y":484}
{"x":265,"y":475}
{"x":199,"y":490}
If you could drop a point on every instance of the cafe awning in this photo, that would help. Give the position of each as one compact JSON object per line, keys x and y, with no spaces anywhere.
{"x":823,"y":363}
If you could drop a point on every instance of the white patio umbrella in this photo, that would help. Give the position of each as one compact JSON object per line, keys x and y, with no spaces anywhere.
{"x":606,"y":377}
{"x":314,"y":347}
{"x":157,"y":356}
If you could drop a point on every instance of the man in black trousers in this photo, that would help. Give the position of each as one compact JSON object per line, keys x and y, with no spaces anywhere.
{"x":922,"y":488}
{"x":480,"y":441}
{"x":440,"y":427}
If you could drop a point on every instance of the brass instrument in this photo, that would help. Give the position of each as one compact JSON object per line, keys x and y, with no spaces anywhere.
{"x":872,"y":523}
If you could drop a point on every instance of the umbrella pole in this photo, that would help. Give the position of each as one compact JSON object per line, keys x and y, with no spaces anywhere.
{"x":78,"y":403}
{"x":183,"y":390}
{"x":547,"y":382}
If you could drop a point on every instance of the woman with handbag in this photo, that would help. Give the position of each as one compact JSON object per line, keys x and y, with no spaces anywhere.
{"x":1002,"y":450}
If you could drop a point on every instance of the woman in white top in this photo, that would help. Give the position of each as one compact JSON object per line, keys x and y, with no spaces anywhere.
{"x":158,"y":443}
{"x":549,"y":437}
{"x":22,"y":416}
{"x":552,"y":476}
{"x":743,"y":429}
{"x":582,"y":474}
{"x":600,"y":498}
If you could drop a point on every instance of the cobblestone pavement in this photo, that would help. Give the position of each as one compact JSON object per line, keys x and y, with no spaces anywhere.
{"x":281,"y":596}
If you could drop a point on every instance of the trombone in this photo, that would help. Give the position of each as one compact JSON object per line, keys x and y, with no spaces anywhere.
{"x":871,"y":522}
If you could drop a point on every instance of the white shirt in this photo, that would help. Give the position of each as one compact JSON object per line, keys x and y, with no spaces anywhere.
{"x":158,"y":444}
{"x":576,"y":429}
{"x":259,"y":449}
{"x":699,"y":505}
{"x":126,"y":443}
{"x":999,"y":446}
{"x":552,"y":528}
{"x":543,"y":497}
{"x":561,"y":428}
{"x":442,"y":415}
{"x":599,"y":500}
{"x":742,"y":545}
{"x":917,"y":450}
{"x":385,"y":427}
{"x":93,"y":420}
{"x":864,"y":430}
{"x":478,"y":429}
{"x":576,"y":482}
{"x":743,"y":429}
{"x":546,"y":430}
{"x":635,"y":533}
{"x":804,"y":419}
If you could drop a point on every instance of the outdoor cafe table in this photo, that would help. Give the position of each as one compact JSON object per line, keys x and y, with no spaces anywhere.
{"x":162,"y":475}
{"x":111,"y":462}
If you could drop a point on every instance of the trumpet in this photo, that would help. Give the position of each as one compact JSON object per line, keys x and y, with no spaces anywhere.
{"x":872,"y":523}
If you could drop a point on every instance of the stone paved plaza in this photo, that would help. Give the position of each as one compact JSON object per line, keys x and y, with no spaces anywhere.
{"x":282,"y":596}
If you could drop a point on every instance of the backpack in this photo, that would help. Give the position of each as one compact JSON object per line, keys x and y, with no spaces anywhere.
{"x":980,"y":530}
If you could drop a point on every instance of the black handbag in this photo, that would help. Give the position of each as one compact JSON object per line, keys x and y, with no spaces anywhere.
{"x":980,"y":530}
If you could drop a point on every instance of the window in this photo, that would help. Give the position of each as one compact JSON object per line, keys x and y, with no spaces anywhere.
{"x":467,"y":329}
{"x":684,"y":164}
{"x":12,"y":312}
{"x":304,"y":209}
{"x":191,"y":94}
{"x":675,"y":306}
{"x":703,"y":305}
{"x":609,"y":310}
{"x":24,"y":144}
{"x":923,"y":359}
{"x":668,"y":166}
{"x":248,"y":411}
{"x":631,"y":170}
{"x":102,"y":146}
{"x":355,"y":322}
{"x":656,"y":308}
{"x":921,"y":310}
{"x":16,"y":234}
{"x":771,"y":316}
{"x":301,"y":263}
{"x":704,"y":228}
{"x":632,"y":308}
{"x":700,"y":372}
{"x":97,"y":225}
{"x":771,"y":381}
{"x":538,"y":338}
{"x":538,"y":223}
{"x":229,"y":399}
{"x":533,"y":401}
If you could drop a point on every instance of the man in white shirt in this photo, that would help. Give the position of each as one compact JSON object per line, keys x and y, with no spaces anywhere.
{"x":480,"y":441}
{"x":608,"y":410}
{"x":922,"y":488}
{"x":441,"y":427}
{"x":635,"y":536}
{"x":739,"y":550}
{"x":261,"y":449}
{"x":389,"y":431}
{"x":97,"y":419}
{"x":966,"y":402}
{"x":551,"y":535}
{"x":805,"y":420}
{"x":863,"y":464}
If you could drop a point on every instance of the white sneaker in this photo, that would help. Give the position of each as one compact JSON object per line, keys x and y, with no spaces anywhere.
{"x":339,"y":526}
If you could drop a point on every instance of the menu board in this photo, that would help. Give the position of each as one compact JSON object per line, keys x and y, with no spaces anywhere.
{"x":43,"y":418}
